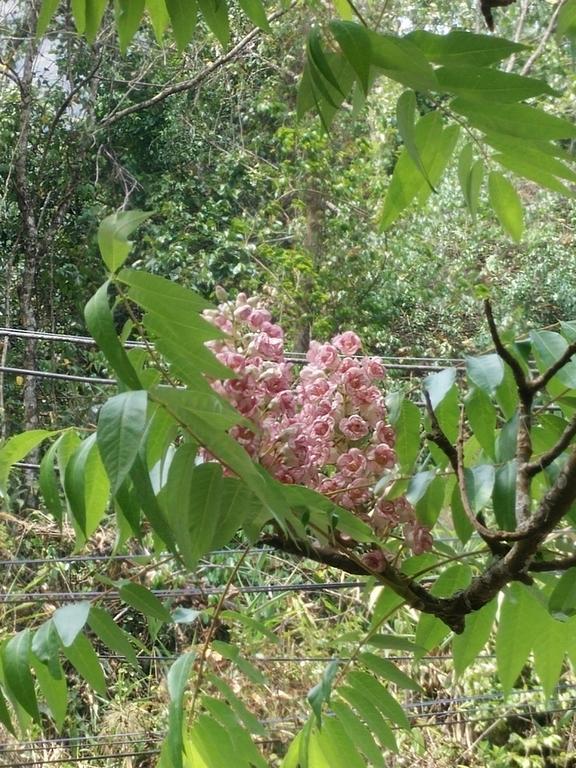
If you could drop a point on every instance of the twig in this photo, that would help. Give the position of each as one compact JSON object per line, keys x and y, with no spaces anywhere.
{"x":547,"y":458}
{"x":543,"y":40}
{"x":194,"y":82}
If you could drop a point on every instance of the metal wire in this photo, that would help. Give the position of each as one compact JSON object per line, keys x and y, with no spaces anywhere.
{"x":45,"y":597}
{"x":296,"y":356}
{"x":61,"y":760}
{"x":57,"y":376}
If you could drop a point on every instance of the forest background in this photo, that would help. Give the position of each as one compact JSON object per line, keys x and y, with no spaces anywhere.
{"x":247,"y":197}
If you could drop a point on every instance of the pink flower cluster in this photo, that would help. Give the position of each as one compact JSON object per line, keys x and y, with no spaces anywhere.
{"x":323,"y":426}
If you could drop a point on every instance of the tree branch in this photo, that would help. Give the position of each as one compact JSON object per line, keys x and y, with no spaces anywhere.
{"x":522,"y":384}
{"x":193,"y":82}
{"x":540,"y":381}
{"x":547,"y":458}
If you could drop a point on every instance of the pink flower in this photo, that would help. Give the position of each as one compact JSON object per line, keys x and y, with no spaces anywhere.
{"x":353,"y":427}
{"x":272,"y":330}
{"x":348,"y":343}
{"x":258,"y":317}
{"x":418,"y":538}
{"x":243,"y":312}
{"x":384,"y":433}
{"x":374,"y":368}
{"x":384,"y":516}
{"x":322,"y":355}
{"x":353,"y":462}
{"x":323,"y":427}
{"x":284,"y":402}
{"x":375,"y":560}
{"x":382,"y":455}
{"x":267,"y":346}
{"x":355,"y":380}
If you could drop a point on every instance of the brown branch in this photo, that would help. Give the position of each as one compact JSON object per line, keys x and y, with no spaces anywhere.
{"x":547,"y":458}
{"x":193,"y":82}
{"x":561,"y":564}
{"x":540,"y":381}
{"x":437,"y":435}
{"x":524,"y":389}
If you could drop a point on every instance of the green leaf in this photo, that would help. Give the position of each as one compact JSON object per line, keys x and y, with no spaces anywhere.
{"x":54,"y":689}
{"x":5,"y":718}
{"x":388,"y":670}
{"x":320,"y":69}
{"x":183,"y":17}
{"x":435,"y":145}
{"x":87,"y":487}
{"x":241,"y":741}
{"x":192,"y":504}
{"x":481,"y":415}
{"x":111,"y":635}
{"x":128,"y":16}
{"x":250,"y":623}
{"x":336,"y":746}
{"x":49,"y":485}
{"x":430,"y":630}
{"x":355,"y":44}
{"x":256,"y":12}
{"x":486,"y":372}
{"x":407,"y":426}
{"x":548,"y":348}
{"x":506,"y":204}
{"x":478,"y":626}
{"x":213,"y":743}
{"x":45,"y":15}
{"x":82,"y":656}
{"x":238,"y":504}
{"x":79,"y":14}
{"x":150,"y":506}
{"x":232,"y":653}
{"x":16,"y":664}
{"x":490,"y":85}
{"x":405,"y":118}
{"x":518,"y":120}
{"x":320,"y":693}
{"x":399,"y":59}
{"x":17,"y":448}
{"x":69,"y":620}
{"x":479,"y":485}
{"x":504,"y":496}
{"x":46,"y":645}
{"x":549,"y":646}
{"x":562,"y":601}
{"x":379,"y":696}
{"x":429,"y":506}
{"x":462,"y":525}
{"x":419,"y":484}
{"x":101,"y":326}
{"x":357,"y":731}
{"x":507,"y":394}
{"x":215,"y":13}
{"x":143,"y":600}
{"x":121,"y":427}
{"x":114,"y":230}
{"x":470,"y":175}
{"x":566,"y":21}
{"x":522,"y":166}
{"x":158,"y":12}
{"x":94,"y":14}
{"x":371,"y":715}
{"x":438,"y":385}
{"x":506,"y":440}
{"x":177,"y":681}
{"x":243,"y":714}
{"x":515,"y":634}
{"x":463,"y":48}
